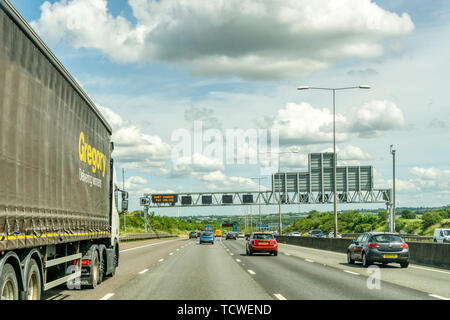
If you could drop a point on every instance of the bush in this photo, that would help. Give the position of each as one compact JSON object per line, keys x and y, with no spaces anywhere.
{"x":430,"y":218}
{"x":408,"y":214}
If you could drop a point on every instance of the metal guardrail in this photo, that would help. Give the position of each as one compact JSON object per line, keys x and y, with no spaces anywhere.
{"x":144,"y":236}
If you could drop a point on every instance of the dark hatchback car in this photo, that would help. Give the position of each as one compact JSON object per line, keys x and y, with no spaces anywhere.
{"x":231,"y":235}
{"x":193,"y":235}
{"x":378,"y":247}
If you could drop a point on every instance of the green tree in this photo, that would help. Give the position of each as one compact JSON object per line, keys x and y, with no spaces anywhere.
{"x":408,"y":214}
{"x":382,"y":216}
{"x":430,"y":218}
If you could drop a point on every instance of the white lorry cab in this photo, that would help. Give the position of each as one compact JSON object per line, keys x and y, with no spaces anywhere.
{"x":441,"y":235}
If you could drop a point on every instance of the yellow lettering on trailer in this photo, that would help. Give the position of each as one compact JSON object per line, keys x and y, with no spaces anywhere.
{"x":92,"y":156}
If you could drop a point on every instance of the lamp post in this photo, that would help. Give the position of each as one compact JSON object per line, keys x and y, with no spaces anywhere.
{"x":334,"y":142}
{"x":280,"y":223}
{"x":259,"y":200}
{"x":392,"y":227}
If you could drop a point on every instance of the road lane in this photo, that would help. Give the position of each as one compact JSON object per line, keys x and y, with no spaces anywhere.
{"x":305,"y":278}
{"x":427,"y":279}
{"x":197,"y":272}
{"x":134,"y":257}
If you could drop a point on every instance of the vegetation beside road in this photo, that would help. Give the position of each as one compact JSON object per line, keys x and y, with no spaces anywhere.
{"x":356,"y":222}
{"x":162,"y":224}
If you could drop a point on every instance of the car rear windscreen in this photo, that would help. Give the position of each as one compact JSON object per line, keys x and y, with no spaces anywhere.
{"x":387,"y":238}
{"x":207,"y":234}
{"x":262,"y":236}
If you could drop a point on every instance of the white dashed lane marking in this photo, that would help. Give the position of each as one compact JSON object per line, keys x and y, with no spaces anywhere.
{"x":279,"y":296}
{"x":351,"y":272}
{"x":143,"y":271}
{"x":438,"y":297}
{"x":108,"y":296}
{"x":251,"y":271}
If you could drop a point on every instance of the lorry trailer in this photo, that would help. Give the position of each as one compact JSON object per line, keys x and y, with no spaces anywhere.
{"x":59,"y":222}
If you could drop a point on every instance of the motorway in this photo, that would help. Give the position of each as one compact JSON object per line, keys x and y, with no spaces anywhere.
{"x":181,"y":269}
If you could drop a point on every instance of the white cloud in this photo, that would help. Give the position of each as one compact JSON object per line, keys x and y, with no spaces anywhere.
{"x":253,"y":39}
{"x":374,"y":117}
{"x":134,"y":149}
{"x":219,"y":181}
{"x":195,"y":166}
{"x":303,"y":124}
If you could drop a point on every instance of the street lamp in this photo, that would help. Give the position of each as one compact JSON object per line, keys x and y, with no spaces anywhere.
{"x":259,"y":199}
{"x":392,"y":226}
{"x":280,"y":224}
{"x":334,"y":141}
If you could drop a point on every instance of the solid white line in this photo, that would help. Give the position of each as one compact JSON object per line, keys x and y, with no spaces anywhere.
{"x":447,"y":272}
{"x":351,"y":272}
{"x":238,"y":260}
{"x":309,"y":260}
{"x":160,"y":260}
{"x":148,"y":245}
{"x":143,"y":271}
{"x":438,"y":297}
{"x":108,"y":296}
{"x":279,"y":296}
{"x":251,"y":271}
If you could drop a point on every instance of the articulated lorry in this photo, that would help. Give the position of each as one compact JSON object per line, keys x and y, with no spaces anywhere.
{"x":58,"y":200}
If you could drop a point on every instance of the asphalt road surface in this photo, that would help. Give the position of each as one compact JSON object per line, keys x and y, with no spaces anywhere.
{"x":182,"y":269}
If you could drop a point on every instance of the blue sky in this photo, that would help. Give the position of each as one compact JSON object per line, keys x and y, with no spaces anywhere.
{"x":235,"y":66}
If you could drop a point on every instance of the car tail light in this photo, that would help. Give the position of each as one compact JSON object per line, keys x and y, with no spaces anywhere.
{"x":373,"y":245}
{"x":85,"y":262}
{"x":404,"y":246}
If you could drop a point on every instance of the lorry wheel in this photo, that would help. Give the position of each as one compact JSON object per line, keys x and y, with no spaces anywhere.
{"x":95,"y":269}
{"x":34,"y":281}
{"x":9,"y":288}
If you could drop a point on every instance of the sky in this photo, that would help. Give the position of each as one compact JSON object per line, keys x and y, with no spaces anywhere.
{"x":156,"y":69}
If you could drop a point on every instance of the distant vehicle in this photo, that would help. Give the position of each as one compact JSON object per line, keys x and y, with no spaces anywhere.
{"x":231,"y":235}
{"x":295,"y":234}
{"x":218,"y":233}
{"x":378,"y":247}
{"x":193,"y":235}
{"x":262,"y":242}
{"x":316,"y":234}
{"x":207,"y":237}
{"x":331,"y":235}
{"x":441,"y":235}
{"x":241,"y":235}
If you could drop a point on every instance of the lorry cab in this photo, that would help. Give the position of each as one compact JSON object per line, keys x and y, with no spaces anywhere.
{"x":218,"y":233}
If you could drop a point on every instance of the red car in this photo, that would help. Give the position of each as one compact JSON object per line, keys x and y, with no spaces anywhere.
{"x":262,"y":242}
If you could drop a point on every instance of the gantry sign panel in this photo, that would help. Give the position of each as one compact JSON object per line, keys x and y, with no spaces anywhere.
{"x":319,"y":177}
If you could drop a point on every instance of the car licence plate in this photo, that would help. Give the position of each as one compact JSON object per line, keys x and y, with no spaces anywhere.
{"x":390,"y":256}
{"x":263,"y":243}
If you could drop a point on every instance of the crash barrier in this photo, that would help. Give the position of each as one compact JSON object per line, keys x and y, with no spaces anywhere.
{"x":144,"y":236}
{"x":406,"y":237}
{"x":432,"y":254}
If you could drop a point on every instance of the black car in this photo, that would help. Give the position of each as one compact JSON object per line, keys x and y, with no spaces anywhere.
{"x":381,"y":247}
{"x":193,"y":235}
{"x":231,"y":235}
